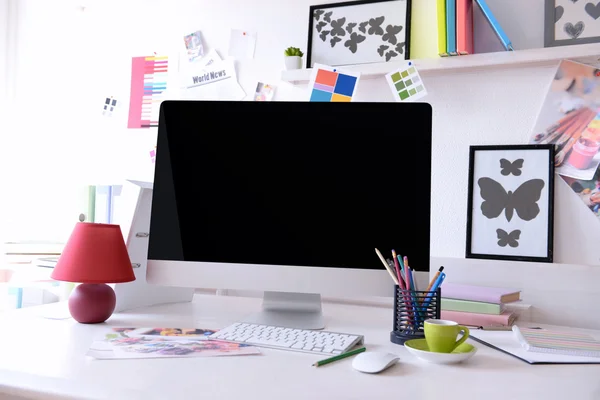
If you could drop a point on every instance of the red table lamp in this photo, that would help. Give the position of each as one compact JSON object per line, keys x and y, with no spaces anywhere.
{"x":94,"y":256}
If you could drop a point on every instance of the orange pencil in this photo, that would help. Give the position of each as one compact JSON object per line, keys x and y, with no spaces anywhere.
{"x":434,"y":279}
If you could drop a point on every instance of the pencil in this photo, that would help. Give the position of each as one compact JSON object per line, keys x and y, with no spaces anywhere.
{"x":434,"y":278}
{"x":339,"y":357}
{"x":387,"y":268}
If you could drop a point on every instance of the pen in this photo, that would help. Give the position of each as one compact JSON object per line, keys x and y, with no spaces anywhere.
{"x":435,"y":287}
{"x":387,"y":268}
{"x":339,"y":357}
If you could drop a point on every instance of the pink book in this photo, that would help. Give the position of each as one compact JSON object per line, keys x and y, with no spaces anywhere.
{"x":480,"y":293}
{"x":474,"y":319}
{"x":464,"y":27}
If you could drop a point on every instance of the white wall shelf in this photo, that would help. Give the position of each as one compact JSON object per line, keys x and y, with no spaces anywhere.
{"x":585,"y":53}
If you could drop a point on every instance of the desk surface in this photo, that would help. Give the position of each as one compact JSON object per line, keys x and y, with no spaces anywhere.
{"x":45,"y":358}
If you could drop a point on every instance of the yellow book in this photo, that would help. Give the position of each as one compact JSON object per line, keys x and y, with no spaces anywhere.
{"x":425,"y":31}
{"x":441,"y":27}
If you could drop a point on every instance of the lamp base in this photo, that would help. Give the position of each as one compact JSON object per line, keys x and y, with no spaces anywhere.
{"x":92,"y":303}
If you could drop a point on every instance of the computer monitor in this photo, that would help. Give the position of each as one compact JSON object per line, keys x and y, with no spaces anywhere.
{"x":290,"y":198}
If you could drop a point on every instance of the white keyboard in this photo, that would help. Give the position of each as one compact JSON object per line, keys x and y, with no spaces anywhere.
{"x":276,"y":337}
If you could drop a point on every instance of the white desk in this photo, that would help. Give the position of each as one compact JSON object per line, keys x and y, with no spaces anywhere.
{"x":43,"y":358}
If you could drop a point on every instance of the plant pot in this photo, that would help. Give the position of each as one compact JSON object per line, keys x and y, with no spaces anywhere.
{"x":293,"y":62}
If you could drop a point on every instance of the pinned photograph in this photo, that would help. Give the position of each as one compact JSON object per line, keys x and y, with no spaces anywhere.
{"x":264,"y":92}
{"x":510,"y":204}
{"x":194,"y":46}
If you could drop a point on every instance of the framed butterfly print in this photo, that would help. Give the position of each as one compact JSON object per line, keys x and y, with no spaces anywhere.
{"x":510,"y":213}
{"x":358,"y":32}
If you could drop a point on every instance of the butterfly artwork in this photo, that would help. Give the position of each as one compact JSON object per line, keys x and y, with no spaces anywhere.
{"x":318,"y":13}
{"x":511,"y":202}
{"x":363,"y":26}
{"x":389,"y":55}
{"x":511,"y":239}
{"x":337,"y":27}
{"x":350,"y":27}
{"x":390,"y":34}
{"x":352,"y":43}
{"x":375,"y":26}
{"x":323,"y":35}
{"x":334,"y":40}
{"x":327,"y":16}
{"x":321,"y":25}
{"x":523,"y":200}
{"x":508,"y":167}
{"x":381,"y":50}
{"x":400,"y":48}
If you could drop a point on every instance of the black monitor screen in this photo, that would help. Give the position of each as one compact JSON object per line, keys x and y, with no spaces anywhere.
{"x":290,"y":183}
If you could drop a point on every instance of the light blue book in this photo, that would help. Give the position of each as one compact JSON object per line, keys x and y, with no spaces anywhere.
{"x":489,"y":16}
{"x":451,"y":27}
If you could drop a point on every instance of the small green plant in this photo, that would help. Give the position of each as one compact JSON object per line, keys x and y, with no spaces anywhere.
{"x":293,"y":51}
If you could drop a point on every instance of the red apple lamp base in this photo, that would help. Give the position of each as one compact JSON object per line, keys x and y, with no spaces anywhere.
{"x":92,"y":303}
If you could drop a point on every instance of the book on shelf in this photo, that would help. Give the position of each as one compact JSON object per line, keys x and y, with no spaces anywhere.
{"x":471,"y":306}
{"x":454,"y":27}
{"x":506,"y":318}
{"x":483,"y":294}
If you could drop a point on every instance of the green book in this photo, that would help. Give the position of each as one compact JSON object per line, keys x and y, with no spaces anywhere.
{"x":472,"y":306}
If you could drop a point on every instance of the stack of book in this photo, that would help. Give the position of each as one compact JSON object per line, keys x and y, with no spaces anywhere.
{"x":454,"y":27}
{"x":478,"y":305}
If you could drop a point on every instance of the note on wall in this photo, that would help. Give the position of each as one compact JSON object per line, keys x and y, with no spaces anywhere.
{"x":148,"y":84}
{"x":242,"y":44}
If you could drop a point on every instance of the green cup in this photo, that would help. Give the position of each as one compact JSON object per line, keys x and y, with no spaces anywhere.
{"x":441,"y":335}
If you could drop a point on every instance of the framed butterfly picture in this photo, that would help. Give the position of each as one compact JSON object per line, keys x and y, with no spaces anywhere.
{"x":510,"y":213}
{"x":358,"y":32}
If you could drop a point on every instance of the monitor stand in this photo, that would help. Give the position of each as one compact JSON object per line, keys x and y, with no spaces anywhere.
{"x":290,"y":310}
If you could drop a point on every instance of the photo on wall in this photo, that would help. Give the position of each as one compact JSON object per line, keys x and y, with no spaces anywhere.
{"x":510,"y":204}
{"x":358,"y":32}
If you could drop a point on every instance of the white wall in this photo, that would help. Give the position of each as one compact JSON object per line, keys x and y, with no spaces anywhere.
{"x":477,"y":107}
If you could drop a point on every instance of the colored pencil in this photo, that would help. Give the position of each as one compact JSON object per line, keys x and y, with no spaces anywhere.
{"x":434,"y":279}
{"x":339,"y":357}
{"x":562,"y":154}
{"x":396,"y":265}
{"x":387,"y":268}
{"x":562,"y":125}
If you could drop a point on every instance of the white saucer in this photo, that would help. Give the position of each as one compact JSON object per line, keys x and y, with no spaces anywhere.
{"x":419,"y":348}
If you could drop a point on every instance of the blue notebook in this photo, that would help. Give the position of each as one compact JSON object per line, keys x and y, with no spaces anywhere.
{"x":451,"y":27}
{"x":496,"y":28}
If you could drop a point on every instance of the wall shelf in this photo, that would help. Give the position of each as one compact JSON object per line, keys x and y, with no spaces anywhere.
{"x":585,"y":53}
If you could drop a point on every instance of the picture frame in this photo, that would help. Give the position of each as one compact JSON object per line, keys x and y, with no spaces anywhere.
{"x":569,"y":22}
{"x":358,"y":32}
{"x":510,"y":212}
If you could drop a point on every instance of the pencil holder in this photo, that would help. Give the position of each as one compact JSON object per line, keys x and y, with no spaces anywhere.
{"x":411,"y":310}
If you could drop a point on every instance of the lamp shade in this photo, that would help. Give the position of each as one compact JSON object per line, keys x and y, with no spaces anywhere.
{"x":95,"y":253}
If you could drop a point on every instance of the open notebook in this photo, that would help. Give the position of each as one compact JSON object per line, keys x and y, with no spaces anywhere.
{"x":557,"y":342}
{"x":507,"y":342}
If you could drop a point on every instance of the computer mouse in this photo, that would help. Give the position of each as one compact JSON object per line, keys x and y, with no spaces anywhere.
{"x":373,"y":362}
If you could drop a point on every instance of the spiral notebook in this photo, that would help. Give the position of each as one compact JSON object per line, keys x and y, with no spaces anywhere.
{"x":557,"y":342}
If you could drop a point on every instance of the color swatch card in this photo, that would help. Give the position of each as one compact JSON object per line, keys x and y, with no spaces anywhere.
{"x":406,"y":83}
{"x":328,"y":84}
{"x":148,"y":83}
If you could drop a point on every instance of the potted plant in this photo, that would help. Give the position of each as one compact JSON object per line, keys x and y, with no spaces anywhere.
{"x":293,"y":58}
